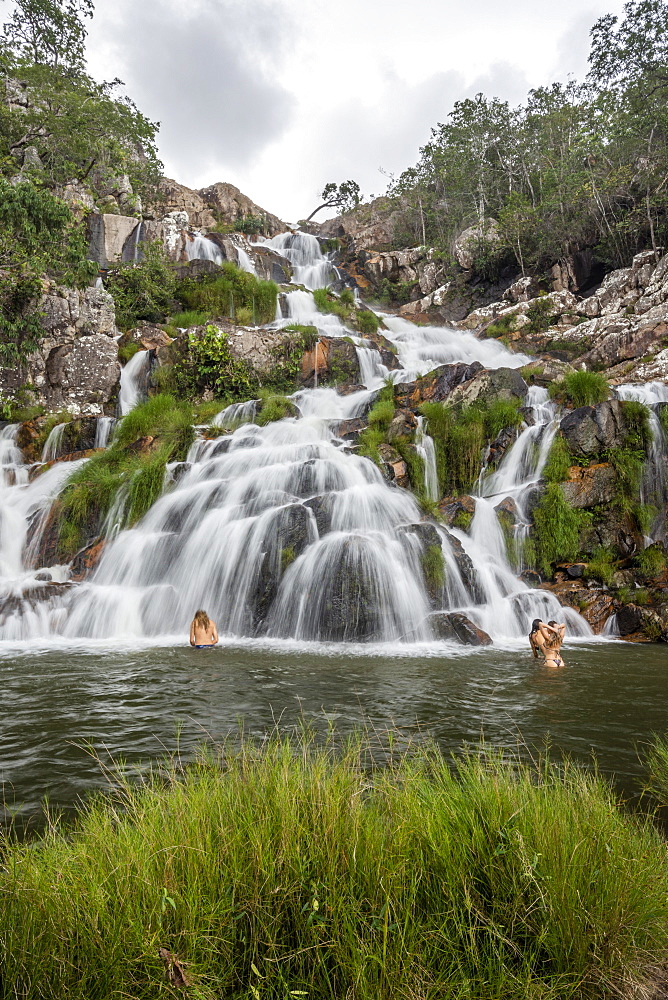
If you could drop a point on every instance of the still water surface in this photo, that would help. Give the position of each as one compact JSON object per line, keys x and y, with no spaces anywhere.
{"x":140,"y":703}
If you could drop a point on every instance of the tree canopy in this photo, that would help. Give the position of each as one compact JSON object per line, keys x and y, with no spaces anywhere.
{"x":50,"y":32}
{"x":344,"y":196}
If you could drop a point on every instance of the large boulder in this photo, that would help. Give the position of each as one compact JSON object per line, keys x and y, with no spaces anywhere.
{"x":489,"y":385}
{"x":332,"y":361}
{"x":75,"y":366}
{"x":456,"y":627}
{"x":591,"y":485}
{"x":435,"y":387}
{"x":590,"y":430}
{"x":467,"y":245}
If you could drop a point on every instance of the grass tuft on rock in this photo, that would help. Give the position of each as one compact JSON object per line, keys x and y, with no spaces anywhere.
{"x":297,"y":870}
{"x":581,"y":389}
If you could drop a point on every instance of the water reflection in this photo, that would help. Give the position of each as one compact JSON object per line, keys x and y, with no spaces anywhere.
{"x":137,"y":704}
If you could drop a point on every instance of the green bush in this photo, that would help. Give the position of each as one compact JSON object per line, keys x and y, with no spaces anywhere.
{"x":652,"y":560}
{"x":581,"y":389}
{"x":208,"y":364}
{"x":143,"y":290}
{"x":367,"y":322}
{"x":556,"y":530}
{"x":127,"y":351}
{"x":223,"y":294}
{"x":291,"y":870}
{"x":501,"y":326}
{"x":638,"y":430}
{"x":274,"y":408}
{"x":558,"y":462}
{"x":541,"y":316}
{"x":602,"y":565}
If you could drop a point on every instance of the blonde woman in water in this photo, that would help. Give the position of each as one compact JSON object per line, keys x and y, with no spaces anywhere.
{"x":203,"y":632}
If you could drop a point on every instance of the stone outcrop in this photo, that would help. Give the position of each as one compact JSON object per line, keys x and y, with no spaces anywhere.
{"x":590,"y":430}
{"x":435,"y":387}
{"x":76,"y":366}
{"x":456,"y":627}
{"x":485,"y":233}
{"x":366,"y":227}
{"x":113,"y":238}
{"x":590,"y":486}
{"x":490,"y":384}
{"x":333,"y":360}
{"x":212,"y":206}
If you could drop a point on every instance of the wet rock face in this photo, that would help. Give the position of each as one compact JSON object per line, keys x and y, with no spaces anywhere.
{"x":76,"y":366}
{"x":590,"y":430}
{"x":590,"y":486}
{"x":435,"y":387}
{"x":456,"y":627}
{"x":489,"y":385}
{"x":291,"y":533}
{"x":614,"y":530}
{"x":333,"y":360}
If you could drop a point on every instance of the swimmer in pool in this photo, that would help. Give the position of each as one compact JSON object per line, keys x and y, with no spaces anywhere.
{"x":203,"y":632}
{"x":547,"y":639}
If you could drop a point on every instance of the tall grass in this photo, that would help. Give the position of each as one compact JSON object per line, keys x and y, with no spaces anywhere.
{"x":295,"y":871}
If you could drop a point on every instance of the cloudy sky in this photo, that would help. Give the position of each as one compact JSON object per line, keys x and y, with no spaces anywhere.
{"x":281,"y":96}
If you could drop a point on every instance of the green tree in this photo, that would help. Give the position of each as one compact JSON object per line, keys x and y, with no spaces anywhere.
{"x":50,"y":32}
{"x":344,"y":196}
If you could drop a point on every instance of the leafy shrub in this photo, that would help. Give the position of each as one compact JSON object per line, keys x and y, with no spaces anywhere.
{"x":367,"y":322}
{"x":274,"y":408}
{"x":502,"y":325}
{"x":143,"y":290}
{"x":556,"y":531}
{"x":652,"y":560}
{"x":223,"y":294}
{"x":540,"y":315}
{"x":581,"y":389}
{"x":601,"y":566}
{"x":636,"y":418}
{"x":208,"y":364}
{"x":347,"y":297}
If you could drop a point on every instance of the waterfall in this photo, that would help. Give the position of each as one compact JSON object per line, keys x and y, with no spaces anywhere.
{"x":654,"y":486}
{"x":53,"y":444}
{"x":309,"y":266}
{"x":244,"y":261}
{"x":283,"y":531}
{"x":424,"y":446}
{"x":103,"y":429}
{"x":133,"y":382}
{"x":200,"y":248}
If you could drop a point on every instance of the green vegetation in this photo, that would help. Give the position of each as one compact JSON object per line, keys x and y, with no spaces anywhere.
{"x":433,"y":566}
{"x":367,"y":322}
{"x":541,"y":315}
{"x":577,"y":165}
{"x":652,"y":560}
{"x":143,"y":290}
{"x":343,"y":306}
{"x":628,"y":463}
{"x":38,"y":236}
{"x":558,"y":462}
{"x":288,"y":556}
{"x":460,"y":434}
{"x":636,"y":418}
{"x":191,"y":317}
{"x":163,"y":428}
{"x":296,"y":870}
{"x":502,"y":325}
{"x":556,"y":532}
{"x":224,"y":294}
{"x":581,"y":389}
{"x":127,"y":351}
{"x":602,"y":565}
{"x":274,"y":408}
{"x":379,"y":419}
{"x":463,"y":520}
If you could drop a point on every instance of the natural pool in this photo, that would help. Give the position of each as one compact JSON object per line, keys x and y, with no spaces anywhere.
{"x":59,"y":702}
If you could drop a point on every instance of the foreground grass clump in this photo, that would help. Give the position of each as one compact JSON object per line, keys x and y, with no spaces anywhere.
{"x":228,"y":291}
{"x":293,"y":870}
{"x":581,"y":389}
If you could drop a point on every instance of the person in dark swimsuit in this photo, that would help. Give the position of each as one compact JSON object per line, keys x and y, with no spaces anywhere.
{"x":547,"y":639}
{"x":203,"y":632}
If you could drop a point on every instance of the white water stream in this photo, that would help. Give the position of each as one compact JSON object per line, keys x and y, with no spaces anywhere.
{"x":282,"y":531}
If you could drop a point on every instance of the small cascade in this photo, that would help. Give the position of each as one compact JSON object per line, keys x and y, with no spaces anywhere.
{"x":133,"y":382}
{"x":132,"y":251}
{"x":53,"y":445}
{"x":244,"y":261}
{"x":654,"y":486}
{"x":103,"y":430}
{"x":424,"y":445}
{"x":236,"y":414}
{"x":303,"y":251}
{"x":611,"y":628}
{"x":201,"y":248}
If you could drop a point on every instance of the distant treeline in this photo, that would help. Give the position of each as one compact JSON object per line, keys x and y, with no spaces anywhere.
{"x":579,"y":165}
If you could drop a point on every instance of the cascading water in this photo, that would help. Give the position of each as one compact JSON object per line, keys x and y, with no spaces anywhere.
{"x":133,"y":382}
{"x":200,"y":248}
{"x":654,"y":486}
{"x":424,"y":445}
{"x":283,"y":531}
{"x":244,"y":261}
{"x":53,"y":445}
{"x":303,"y":251}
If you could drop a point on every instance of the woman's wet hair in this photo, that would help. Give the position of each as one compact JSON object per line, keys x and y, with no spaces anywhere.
{"x":201,"y":619}
{"x":535,"y":624}
{"x":553,"y":624}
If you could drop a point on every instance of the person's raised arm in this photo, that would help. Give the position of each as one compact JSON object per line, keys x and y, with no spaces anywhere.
{"x":548,"y":634}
